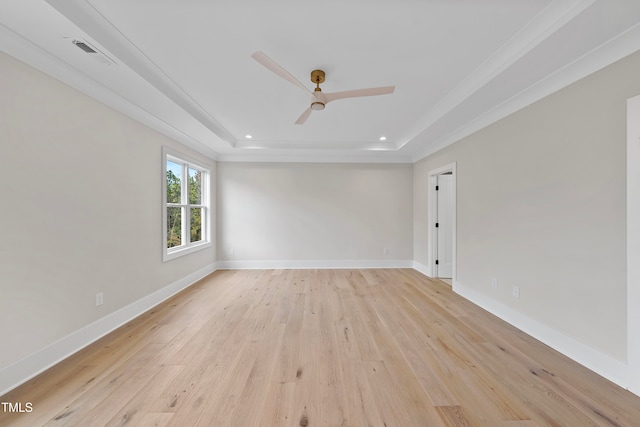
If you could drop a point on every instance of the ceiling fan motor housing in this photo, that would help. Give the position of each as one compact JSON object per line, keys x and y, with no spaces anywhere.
{"x":317,"y":76}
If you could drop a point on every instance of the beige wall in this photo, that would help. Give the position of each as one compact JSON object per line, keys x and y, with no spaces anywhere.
{"x":303,"y":211}
{"x":541,"y":205}
{"x":80,"y":211}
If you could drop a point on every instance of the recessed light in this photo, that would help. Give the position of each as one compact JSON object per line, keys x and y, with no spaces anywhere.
{"x":383,"y":138}
{"x":248,"y":136}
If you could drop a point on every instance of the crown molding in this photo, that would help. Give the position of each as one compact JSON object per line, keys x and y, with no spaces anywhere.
{"x":551,"y":19}
{"x":88,"y":19}
{"x":317,"y":157}
{"x":16,"y":46}
{"x":604,"y":55}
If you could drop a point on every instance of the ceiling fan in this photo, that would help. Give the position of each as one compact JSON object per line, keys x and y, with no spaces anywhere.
{"x":318,"y":98}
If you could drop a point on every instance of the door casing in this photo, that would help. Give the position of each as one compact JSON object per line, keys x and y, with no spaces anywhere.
{"x":432,"y":241}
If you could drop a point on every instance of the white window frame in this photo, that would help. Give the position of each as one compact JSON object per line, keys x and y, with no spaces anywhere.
{"x":186,"y":247}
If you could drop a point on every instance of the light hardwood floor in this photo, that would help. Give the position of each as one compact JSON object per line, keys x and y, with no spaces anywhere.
{"x":320,"y":348}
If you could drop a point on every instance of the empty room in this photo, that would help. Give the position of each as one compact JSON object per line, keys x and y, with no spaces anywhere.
{"x":339,"y":213}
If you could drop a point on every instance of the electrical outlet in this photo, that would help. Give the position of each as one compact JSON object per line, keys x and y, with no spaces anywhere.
{"x":516,"y":292}
{"x":385,"y":251}
{"x":232,"y":251}
{"x":494,"y":283}
{"x":99,"y":299}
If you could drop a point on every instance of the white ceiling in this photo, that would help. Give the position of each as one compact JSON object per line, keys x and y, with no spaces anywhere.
{"x":185,"y":67}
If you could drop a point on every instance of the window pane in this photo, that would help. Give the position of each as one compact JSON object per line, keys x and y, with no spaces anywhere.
{"x":174,"y":227}
{"x":195,"y":187}
{"x":174,"y":173}
{"x":196,"y":224}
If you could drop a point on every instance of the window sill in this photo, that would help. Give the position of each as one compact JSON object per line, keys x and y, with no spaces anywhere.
{"x":169,"y":255}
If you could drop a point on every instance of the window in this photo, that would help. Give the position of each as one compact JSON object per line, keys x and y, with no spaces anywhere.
{"x":186,"y":207}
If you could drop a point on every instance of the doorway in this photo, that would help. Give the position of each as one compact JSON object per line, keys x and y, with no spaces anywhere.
{"x":442,"y":222}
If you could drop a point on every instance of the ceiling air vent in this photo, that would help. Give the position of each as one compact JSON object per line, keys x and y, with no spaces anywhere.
{"x":95,"y":52}
{"x":84,"y":46}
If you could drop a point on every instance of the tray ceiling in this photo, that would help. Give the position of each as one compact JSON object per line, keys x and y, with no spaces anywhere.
{"x":185,"y":68}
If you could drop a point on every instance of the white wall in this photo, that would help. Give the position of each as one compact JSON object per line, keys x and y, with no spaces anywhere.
{"x":337,"y":214}
{"x":80,"y":213}
{"x":542,"y":206}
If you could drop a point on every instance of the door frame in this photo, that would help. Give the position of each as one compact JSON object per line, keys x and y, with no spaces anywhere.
{"x":633,"y":243}
{"x":433,"y":214}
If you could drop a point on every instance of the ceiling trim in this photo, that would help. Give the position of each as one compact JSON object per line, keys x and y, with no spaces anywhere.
{"x":614,"y":50}
{"x":18,"y":47}
{"x":316,"y":145}
{"x":92,"y":22}
{"x":316,"y":156}
{"x":548,"y":21}
{"x":83,"y":15}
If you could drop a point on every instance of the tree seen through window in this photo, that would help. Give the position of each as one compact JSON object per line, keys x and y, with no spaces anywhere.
{"x":186,"y":210}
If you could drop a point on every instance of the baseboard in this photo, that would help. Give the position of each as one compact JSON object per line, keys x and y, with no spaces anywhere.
{"x":602,"y":364}
{"x":23,"y":370}
{"x":422,"y":268}
{"x":312,"y":264}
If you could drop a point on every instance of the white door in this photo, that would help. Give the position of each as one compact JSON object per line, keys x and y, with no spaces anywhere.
{"x":444,"y":228}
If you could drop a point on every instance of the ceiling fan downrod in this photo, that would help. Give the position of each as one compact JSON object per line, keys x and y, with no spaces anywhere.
{"x":317,"y":77}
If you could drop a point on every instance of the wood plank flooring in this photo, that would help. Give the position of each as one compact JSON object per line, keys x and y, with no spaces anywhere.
{"x":320,"y":348}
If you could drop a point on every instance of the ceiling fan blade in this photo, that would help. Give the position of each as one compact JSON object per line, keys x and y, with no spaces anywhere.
{"x":318,"y":95}
{"x":270,"y":64}
{"x":303,"y":118}
{"x":373,"y":91}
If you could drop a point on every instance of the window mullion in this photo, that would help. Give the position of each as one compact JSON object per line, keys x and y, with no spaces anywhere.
{"x":184,"y":198}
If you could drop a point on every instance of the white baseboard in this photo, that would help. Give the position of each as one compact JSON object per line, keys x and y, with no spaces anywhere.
{"x":602,"y":364}
{"x":422,"y":268}
{"x":21,"y":371}
{"x":312,"y":264}
{"x":24,"y":369}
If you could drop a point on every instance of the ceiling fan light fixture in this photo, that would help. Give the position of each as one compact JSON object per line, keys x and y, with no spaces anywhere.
{"x":317,"y":106}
